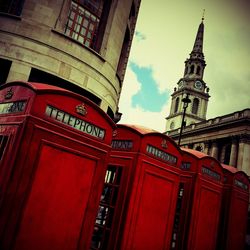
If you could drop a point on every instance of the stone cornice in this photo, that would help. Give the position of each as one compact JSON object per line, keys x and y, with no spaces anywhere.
{"x":217,"y":123}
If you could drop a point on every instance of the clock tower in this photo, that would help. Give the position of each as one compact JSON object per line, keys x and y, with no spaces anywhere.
{"x":191,"y":84}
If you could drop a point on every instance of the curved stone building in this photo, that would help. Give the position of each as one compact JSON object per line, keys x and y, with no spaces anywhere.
{"x":80,"y":45}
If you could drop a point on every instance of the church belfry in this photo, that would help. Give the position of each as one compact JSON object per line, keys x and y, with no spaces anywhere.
{"x":192,"y":84}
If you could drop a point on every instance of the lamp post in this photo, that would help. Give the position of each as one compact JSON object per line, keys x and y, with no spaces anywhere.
{"x":185,"y":101}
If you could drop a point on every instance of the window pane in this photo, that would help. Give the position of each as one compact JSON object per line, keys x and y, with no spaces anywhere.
{"x":91,"y":26}
{"x":85,"y":23}
{"x":12,"y":7}
{"x":87,"y":43}
{"x":80,"y":39}
{"x":89,"y":35}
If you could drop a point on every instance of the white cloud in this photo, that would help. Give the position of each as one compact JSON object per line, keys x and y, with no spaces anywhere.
{"x":167,"y":32}
{"x":137,"y":115}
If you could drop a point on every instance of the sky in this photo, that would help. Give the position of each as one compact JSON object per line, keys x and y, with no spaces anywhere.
{"x":164,"y":37}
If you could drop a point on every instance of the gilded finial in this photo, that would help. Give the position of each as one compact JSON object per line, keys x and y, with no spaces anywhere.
{"x":203,"y":14}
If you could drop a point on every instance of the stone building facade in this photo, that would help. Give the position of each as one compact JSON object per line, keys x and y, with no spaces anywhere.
{"x":79,"y":45}
{"x":226,"y":138}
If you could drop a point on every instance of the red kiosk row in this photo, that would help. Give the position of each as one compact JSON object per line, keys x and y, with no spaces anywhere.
{"x":71,"y":179}
{"x":219,"y":209}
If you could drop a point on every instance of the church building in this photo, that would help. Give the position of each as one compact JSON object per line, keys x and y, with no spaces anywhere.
{"x":226,"y":138}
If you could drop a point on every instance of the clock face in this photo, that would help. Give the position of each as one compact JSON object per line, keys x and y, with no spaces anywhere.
{"x":198,"y":85}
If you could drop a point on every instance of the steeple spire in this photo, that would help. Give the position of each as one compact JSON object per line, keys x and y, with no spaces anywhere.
{"x":198,"y":44}
{"x":195,"y":65}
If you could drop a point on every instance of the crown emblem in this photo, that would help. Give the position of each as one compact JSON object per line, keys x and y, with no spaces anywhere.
{"x":164,"y":143}
{"x":81,"y":109}
{"x":9,"y":94}
{"x":114,"y":133}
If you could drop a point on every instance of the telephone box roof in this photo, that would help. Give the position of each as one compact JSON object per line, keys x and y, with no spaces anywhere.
{"x":229,"y":168}
{"x":141,"y":129}
{"x":196,"y":153}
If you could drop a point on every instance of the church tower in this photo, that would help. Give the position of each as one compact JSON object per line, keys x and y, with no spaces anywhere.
{"x":191,"y":84}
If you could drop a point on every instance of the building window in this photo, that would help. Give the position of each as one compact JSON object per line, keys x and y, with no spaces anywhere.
{"x":198,"y":70}
{"x":13,"y":7}
{"x":176,"y":104}
{"x":123,"y":56}
{"x":104,"y":218}
{"x":192,"y":69}
{"x":195,"y":106}
{"x":5,"y":68}
{"x":123,"y":60}
{"x":87,"y":21}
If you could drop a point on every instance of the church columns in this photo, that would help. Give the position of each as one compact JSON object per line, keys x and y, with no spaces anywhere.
{"x":215,"y":150}
{"x":206,"y":147}
{"x":233,"y":153}
{"x":244,"y":154}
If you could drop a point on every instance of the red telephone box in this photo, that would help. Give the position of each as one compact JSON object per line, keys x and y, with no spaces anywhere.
{"x":228,"y":172}
{"x":235,"y":213}
{"x":53,"y":158}
{"x":204,"y":221}
{"x":188,"y":175}
{"x":149,"y":167}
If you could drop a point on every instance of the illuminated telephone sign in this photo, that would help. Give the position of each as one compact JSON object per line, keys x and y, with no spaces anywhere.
{"x":122,"y":144}
{"x":12,"y":107}
{"x":210,"y":173}
{"x":74,"y":122}
{"x":162,"y":155}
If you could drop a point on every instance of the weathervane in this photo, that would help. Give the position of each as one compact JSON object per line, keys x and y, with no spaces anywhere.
{"x":203,"y":14}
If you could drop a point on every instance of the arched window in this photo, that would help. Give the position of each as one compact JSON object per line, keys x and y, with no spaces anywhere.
{"x":192,"y":69}
{"x":195,"y":106}
{"x":176,"y":104}
{"x":198,"y":70}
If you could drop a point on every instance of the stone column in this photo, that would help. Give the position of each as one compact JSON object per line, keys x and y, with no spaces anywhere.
{"x":18,"y":71}
{"x":206,"y":147}
{"x":215,"y":150}
{"x":233,"y":153}
{"x":243,"y":162}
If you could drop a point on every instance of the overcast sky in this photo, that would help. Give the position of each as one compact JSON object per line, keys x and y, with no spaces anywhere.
{"x":165,"y":34}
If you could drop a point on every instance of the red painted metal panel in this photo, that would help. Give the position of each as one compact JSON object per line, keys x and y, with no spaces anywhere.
{"x":154,"y":212}
{"x":207,"y":217}
{"x":237,"y":211}
{"x":53,"y":213}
